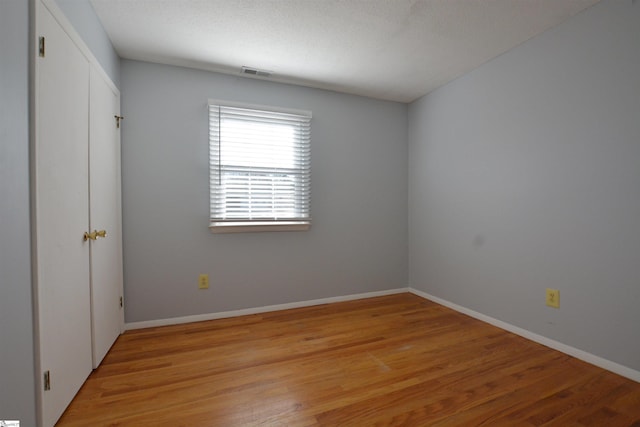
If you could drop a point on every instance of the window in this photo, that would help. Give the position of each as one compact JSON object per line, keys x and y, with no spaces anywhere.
{"x":259,"y":166}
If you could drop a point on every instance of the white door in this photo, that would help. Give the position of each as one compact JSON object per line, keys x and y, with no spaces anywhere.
{"x":61,"y":204}
{"x":105,"y":216}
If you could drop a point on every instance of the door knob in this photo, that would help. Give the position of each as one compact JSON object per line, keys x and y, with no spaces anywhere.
{"x":101,"y":233}
{"x":87,"y":236}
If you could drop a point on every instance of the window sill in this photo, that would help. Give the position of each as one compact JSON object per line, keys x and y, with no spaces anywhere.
{"x":257,"y":227}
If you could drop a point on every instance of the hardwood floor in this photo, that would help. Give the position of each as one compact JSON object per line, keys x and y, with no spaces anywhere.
{"x":397,"y":360}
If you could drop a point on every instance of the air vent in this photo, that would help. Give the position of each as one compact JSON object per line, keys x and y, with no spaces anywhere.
{"x":256,"y":72}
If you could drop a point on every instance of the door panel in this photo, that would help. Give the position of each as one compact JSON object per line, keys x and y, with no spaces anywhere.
{"x":61,"y":203}
{"x":105,"y":214}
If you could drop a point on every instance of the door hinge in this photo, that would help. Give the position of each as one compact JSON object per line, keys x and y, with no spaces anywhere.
{"x":121,"y":302}
{"x":47,"y":381}
{"x":118,"y":119}
{"x":41,"y":47}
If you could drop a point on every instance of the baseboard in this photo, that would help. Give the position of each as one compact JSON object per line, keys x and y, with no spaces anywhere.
{"x":257,"y":310}
{"x":556,"y":345}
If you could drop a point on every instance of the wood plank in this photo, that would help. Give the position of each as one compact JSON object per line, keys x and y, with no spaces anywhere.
{"x":392,"y":360}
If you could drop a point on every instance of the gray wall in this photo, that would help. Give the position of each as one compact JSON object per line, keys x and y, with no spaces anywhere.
{"x":358,"y":239}
{"x":525,"y":174}
{"x":17,"y":388}
{"x":83,"y":17}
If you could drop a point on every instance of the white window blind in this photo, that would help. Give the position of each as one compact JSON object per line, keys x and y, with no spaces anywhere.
{"x":259,"y":163}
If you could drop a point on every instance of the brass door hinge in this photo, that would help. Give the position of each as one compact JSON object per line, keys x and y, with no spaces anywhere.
{"x":121,"y":302}
{"x":47,"y":381}
{"x":41,"y":47}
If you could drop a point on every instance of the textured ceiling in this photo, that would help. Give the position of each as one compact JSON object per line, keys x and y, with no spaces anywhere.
{"x":388,"y":49}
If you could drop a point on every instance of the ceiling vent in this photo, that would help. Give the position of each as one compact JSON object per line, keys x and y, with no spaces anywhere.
{"x":256,"y":72}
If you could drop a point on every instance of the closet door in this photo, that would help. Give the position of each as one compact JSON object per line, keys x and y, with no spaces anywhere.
{"x":61,"y":200}
{"x":105,"y":215}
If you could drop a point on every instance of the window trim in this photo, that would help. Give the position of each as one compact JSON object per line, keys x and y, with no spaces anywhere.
{"x":248,"y":106}
{"x":243,"y":226}
{"x":256,"y":226}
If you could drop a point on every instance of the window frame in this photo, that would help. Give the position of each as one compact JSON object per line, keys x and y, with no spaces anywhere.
{"x":217,"y":225}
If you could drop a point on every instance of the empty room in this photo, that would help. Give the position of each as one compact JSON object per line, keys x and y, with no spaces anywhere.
{"x":320,"y":213}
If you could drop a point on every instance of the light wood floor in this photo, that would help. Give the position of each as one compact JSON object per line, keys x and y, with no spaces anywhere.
{"x":390,"y":361}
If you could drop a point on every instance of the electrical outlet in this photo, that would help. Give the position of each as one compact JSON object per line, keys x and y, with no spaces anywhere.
{"x":203,"y":281}
{"x":553,"y":298}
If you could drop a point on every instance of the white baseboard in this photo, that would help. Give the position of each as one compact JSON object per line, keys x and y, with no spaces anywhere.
{"x":556,"y":345}
{"x":256,"y":310}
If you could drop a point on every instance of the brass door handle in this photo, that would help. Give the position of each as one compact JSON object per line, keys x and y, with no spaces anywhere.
{"x":94,"y":235}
